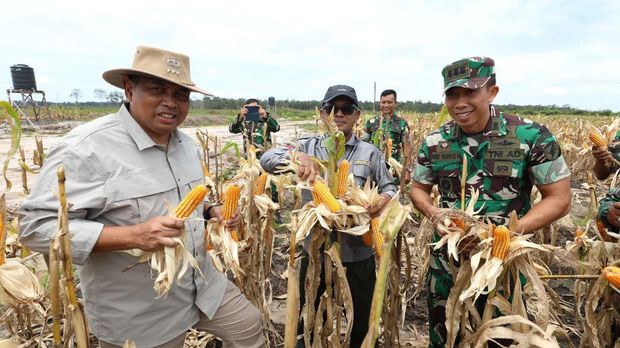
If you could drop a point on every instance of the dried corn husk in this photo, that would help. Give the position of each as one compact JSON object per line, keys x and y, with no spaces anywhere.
{"x":18,"y":285}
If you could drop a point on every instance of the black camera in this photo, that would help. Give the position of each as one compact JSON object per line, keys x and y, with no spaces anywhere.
{"x":253,"y":114}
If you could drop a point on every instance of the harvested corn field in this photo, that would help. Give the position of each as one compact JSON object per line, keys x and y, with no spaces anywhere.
{"x":571,"y":266}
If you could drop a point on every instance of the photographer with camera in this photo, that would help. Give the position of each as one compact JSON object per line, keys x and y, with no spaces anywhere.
{"x":256,"y":125}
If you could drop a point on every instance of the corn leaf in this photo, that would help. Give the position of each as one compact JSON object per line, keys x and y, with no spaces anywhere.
{"x":8,"y":113}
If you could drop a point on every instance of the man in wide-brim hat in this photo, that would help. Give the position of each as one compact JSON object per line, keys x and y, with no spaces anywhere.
{"x":124,"y":171}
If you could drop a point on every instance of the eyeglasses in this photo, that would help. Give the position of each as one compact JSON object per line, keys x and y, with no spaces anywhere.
{"x":347,"y":109}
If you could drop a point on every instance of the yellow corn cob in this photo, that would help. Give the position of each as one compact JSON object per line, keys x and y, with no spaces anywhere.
{"x":501,"y":242}
{"x":259,"y":189}
{"x":459,"y":223}
{"x":343,"y":173}
{"x":230,"y":201}
{"x":612,"y":275}
{"x":367,"y":237}
{"x":316,"y":198}
{"x":377,"y":236}
{"x":579,"y":233}
{"x":597,"y":139}
{"x":388,"y":148}
{"x":193,"y":199}
{"x":325,"y":196}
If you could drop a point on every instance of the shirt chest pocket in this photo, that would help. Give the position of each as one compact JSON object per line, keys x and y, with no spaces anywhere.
{"x":504,"y":172}
{"x":448,"y":176}
{"x":361,"y":172}
{"x":138,"y":197}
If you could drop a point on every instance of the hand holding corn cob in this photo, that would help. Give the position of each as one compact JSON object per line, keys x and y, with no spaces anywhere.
{"x":375,"y":208}
{"x":307,"y":167}
{"x":157,"y":233}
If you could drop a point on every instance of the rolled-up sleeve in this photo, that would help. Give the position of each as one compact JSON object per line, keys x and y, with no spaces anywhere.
{"x":38,"y":214}
{"x":383,"y":178}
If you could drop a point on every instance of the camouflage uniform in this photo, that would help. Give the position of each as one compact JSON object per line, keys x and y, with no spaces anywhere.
{"x":398,"y":129}
{"x":503,"y":162}
{"x":258,"y":131}
{"x":610,"y":198}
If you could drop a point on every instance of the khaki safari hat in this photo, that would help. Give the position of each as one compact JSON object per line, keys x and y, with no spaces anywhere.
{"x":158,"y":63}
{"x":471,"y":73}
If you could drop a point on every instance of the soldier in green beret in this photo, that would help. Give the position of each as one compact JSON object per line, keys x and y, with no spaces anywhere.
{"x":506,"y":156}
{"x":388,"y":125}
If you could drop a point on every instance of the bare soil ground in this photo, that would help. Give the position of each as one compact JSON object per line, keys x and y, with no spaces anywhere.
{"x":414,"y":329}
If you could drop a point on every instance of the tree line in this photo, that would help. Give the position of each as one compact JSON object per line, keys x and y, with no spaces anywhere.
{"x":217,"y":103}
{"x":409,"y":106}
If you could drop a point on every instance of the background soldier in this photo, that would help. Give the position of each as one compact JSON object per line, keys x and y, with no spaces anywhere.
{"x":255,"y":132}
{"x":388,"y":125}
{"x":506,"y":156}
{"x":605,"y":164}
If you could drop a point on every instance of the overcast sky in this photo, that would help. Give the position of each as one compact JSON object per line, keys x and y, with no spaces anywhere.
{"x":546,"y":52}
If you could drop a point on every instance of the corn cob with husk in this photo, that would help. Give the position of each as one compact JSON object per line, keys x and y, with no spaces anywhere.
{"x":501,"y":242}
{"x":193,"y":200}
{"x":374,"y":237}
{"x":391,"y":219}
{"x":388,"y":148}
{"x":261,"y":184}
{"x":612,"y":275}
{"x":323,"y":193}
{"x":169,"y":260}
{"x":343,"y":174}
{"x":230,"y":202}
{"x":597,"y":138}
{"x":18,"y":285}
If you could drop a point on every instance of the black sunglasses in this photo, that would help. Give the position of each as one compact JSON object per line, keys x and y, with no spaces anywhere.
{"x":347,"y":109}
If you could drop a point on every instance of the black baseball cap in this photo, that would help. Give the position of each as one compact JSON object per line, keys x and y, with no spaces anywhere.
{"x":336,"y":91}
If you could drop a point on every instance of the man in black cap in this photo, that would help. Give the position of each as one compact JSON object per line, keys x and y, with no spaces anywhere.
{"x":366,"y":164}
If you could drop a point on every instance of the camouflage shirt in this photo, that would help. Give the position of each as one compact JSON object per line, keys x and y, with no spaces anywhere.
{"x":610,"y":198}
{"x":398,"y":127}
{"x":256,"y":131}
{"x":503,"y":162}
{"x":615,"y":147}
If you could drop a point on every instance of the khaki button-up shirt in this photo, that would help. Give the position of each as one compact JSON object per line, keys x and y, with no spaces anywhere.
{"x":117,"y":176}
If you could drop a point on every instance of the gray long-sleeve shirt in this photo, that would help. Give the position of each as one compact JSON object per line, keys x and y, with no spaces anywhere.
{"x":366,"y":163}
{"x":117,"y":176}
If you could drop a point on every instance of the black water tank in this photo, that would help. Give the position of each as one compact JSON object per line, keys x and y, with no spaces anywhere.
{"x":23,"y":77}
{"x":271,"y":101}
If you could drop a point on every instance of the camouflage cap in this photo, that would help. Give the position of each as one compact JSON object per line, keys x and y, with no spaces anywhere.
{"x":472,"y":73}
